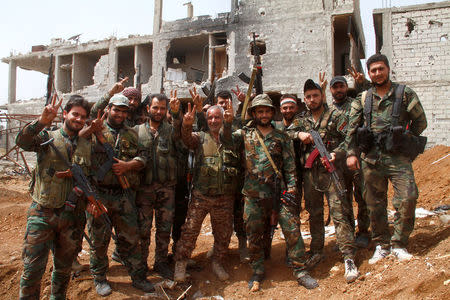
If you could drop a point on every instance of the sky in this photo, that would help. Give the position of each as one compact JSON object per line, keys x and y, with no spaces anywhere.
{"x":25,"y":23}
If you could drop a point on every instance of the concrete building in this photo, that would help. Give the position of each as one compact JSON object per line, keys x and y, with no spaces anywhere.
{"x":302,"y":38}
{"x":416,"y":41}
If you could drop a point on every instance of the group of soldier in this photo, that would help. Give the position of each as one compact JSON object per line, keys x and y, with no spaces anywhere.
{"x":178,"y":162}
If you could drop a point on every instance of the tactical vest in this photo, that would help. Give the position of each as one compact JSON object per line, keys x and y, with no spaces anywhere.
{"x":162,"y":160}
{"x":49,"y":190}
{"x":125,"y":146}
{"x":216,"y":168}
{"x":329,"y":142}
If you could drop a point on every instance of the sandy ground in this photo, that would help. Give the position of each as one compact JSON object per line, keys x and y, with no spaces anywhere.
{"x":425,"y":277}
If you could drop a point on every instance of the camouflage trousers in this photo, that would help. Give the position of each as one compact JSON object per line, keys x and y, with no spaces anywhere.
{"x":257,"y":219}
{"x":340,"y":211}
{"x":354,"y":184}
{"x":159,"y":198}
{"x":58,"y":230}
{"x":220,"y":208}
{"x":123,"y":215}
{"x":398,"y":170}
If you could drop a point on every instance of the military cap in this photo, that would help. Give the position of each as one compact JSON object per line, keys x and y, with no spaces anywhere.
{"x":119,"y":100}
{"x":262,"y":100}
{"x":311,"y":85}
{"x":338,"y":79}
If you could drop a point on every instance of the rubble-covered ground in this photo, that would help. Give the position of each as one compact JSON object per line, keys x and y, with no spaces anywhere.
{"x":425,"y":277}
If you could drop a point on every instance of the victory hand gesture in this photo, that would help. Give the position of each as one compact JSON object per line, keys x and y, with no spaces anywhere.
{"x":323,"y":81}
{"x":174,"y":103}
{"x":358,"y":76}
{"x":240,"y":95}
{"x":50,"y":111}
{"x":189,"y":116}
{"x":97,"y":124}
{"x":228,"y":114}
{"x":198,"y":101}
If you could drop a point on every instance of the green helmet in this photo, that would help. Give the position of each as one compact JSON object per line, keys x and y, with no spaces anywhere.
{"x":261,"y":100}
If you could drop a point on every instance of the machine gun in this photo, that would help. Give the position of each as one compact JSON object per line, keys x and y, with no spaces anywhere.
{"x":74,"y":171}
{"x":138,"y":78}
{"x":257,"y":48}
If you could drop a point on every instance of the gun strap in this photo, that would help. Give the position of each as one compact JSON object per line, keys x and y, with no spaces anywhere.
{"x":399,"y":91}
{"x":368,"y":100}
{"x":277,"y":172}
{"x":249,"y":93}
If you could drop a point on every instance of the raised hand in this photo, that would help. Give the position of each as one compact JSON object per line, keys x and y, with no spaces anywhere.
{"x":189,"y":116}
{"x":174,"y":103}
{"x":240,"y":95}
{"x":120,"y":167}
{"x":118,"y":87}
{"x":358,"y":76}
{"x":97,"y":124}
{"x":198,"y":101}
{"x":50,"y":111}
{"x":323,"y":81}
{"x":228,"y":114}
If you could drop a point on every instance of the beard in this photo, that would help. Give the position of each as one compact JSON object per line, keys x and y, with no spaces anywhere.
{"x":70,"y":127}
{"x":381,"y":84}
{"x":338,"y":97}
{"x":259,"y":122}
{"x":155,"y":118}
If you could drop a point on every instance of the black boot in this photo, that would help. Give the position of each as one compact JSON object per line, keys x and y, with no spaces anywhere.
{"x":163,"y":269}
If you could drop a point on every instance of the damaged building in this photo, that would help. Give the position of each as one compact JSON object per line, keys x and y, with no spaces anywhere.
{"x":416,"y":41}
{"x":302,"y":38}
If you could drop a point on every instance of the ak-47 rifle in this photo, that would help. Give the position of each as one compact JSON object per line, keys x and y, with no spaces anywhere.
{"x":321,"y":150}
{"x":104,"y":169}
{"x":48,"y":96}
{"x":190,"y":175}
{"x":138,"y":78}
{"x":74,"y":171}
{"x":161,"y":90}
{"x":256,"y":78}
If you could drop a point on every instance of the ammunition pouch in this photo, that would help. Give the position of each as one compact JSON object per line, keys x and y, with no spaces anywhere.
{"x":364,"y":139}
{"x":400,"y":141}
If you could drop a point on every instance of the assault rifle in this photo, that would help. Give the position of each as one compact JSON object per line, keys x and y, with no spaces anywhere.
{"x":74,"y":171}
{"x":321,"y":150}
{"x":48,"y":96}
{"x":104,"y":169}
{"x":190,"y":174}
{"x":138,"y":78}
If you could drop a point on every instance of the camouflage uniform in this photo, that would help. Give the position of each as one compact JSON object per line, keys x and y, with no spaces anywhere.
{"x":317,"y":181}
{"x":378,"y":166}
{"x":50,"y":226}
{"x":157,"y":191}
{"x":354,"y":182}
{"x":120,"y":205}
{"x":258,"y":193}
{"x":214,"y":185}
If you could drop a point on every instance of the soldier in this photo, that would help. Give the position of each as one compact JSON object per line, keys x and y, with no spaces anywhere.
{"x":214,"y":186}
{"x":117,"y":198}
{"x":331,"y":125}
{"x":260,"y":137}
{"x":387,"y":155}
{"x":157,"y":191}
{"x":50,"y":226}
{"x":134,"y":96}
{"x":353,"y":179}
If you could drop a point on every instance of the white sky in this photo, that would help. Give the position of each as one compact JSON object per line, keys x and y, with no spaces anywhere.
{"x":25,"y":23}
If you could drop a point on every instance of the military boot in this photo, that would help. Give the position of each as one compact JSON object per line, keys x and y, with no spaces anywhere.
{"x":143,"y":284}
{"x":243,"y":251}
{"x":307,"y":281}
{"x":163,"y":269}
{"x":180,"y":271}
{"x":219,"y":271}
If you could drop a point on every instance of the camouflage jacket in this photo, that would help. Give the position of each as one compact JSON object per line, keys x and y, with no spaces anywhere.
{"x":47,"y":189}
{"x":124,"y":142}
{"x":160,"y":152}
{"x":331,"y":125}
{"x":411,"y":114}
{"x":344,"y":106}
{"x":259,"y":173}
